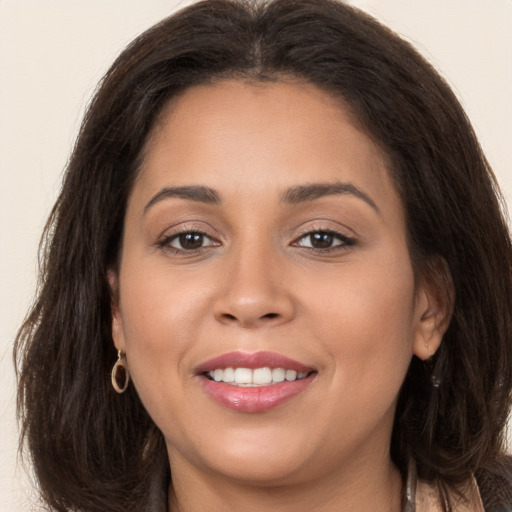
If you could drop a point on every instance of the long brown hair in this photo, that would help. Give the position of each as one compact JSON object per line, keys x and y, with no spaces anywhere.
{"x":93,"y":450}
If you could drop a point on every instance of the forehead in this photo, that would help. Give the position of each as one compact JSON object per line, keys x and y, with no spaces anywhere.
{"x":254,"y":106}
{"x":273,"y":114}
{"x":238,"y":136}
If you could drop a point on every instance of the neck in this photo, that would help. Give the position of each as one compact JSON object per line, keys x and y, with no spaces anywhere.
{"x":357,"y":488}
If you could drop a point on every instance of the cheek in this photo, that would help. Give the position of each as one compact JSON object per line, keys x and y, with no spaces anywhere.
{"x":160,"y":321}
{"x":367,"y":326}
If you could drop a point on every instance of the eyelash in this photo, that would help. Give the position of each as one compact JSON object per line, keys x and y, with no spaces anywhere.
{"x":165,"y":243}
{"x":345,"y":242}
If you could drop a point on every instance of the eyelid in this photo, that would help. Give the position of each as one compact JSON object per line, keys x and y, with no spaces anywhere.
{"x":340,"y":239}
{"x":347,"y":239}
{"x":176,"y":236}
{"x":170,"y":234}
{"x":188,"y":226}
{"x":327,"y":226}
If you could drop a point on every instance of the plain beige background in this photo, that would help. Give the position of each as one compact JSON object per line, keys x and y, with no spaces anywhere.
{"x":52,"y":54}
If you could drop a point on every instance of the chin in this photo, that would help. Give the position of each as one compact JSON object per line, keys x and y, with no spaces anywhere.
{"x":263,"y":471}
{"x":262,"y":458}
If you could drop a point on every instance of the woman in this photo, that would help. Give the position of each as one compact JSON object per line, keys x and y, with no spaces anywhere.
{"x":279,"y":242}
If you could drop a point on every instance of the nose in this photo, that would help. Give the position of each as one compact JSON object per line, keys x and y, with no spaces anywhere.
{"x":255,"y":292}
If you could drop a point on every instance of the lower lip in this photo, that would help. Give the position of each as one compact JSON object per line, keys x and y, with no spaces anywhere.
{"x":254,"y":399}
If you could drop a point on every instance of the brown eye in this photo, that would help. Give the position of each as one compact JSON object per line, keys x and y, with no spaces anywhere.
{"x":324,"y":240}
{"x":321,"y":240}
{"x":188,"y":241}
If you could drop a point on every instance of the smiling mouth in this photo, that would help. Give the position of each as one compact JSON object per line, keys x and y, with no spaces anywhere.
{"x":254,"y":382}
{"x":257,"y":377}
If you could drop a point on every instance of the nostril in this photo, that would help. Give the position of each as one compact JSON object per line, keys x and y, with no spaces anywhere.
{"x":233,"y":318}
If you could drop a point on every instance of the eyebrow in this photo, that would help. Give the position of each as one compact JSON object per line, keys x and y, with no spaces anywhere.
{"x":197,"y":193}
{"x":294,"y":195}
{"x":310,"y":192}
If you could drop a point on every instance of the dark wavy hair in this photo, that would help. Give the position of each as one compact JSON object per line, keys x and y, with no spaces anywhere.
{"x":94,"y":450}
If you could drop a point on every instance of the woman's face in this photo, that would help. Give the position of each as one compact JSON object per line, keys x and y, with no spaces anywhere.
{"x":265,"y":242}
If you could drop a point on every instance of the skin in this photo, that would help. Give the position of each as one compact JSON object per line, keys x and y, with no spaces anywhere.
{"x":355,"y":312}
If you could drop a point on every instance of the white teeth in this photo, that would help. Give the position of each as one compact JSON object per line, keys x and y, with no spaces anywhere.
{"x":262,"y":376}
{"x":243,"y":376}
{"x":278,"y":374}
{"x":257,"y":377}
{"x":290,"y":375}
{"x":229,"y":375}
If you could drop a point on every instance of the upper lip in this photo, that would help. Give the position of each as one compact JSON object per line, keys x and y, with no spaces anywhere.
{"x":252,"y":360}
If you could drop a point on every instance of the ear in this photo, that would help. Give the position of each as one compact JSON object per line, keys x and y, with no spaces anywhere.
{"x":434,"y":306}
{"x":117,"y":324}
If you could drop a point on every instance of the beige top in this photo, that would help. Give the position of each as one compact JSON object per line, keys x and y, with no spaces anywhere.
{"x":429,"y":500}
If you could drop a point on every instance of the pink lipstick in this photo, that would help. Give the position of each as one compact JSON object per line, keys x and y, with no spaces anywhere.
{"x":253,"y":382}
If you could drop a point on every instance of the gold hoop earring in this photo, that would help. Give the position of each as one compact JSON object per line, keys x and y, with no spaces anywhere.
{"x":120,"y":376}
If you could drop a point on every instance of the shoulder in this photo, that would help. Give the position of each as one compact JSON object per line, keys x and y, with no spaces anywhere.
{"x":495,"y":485}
